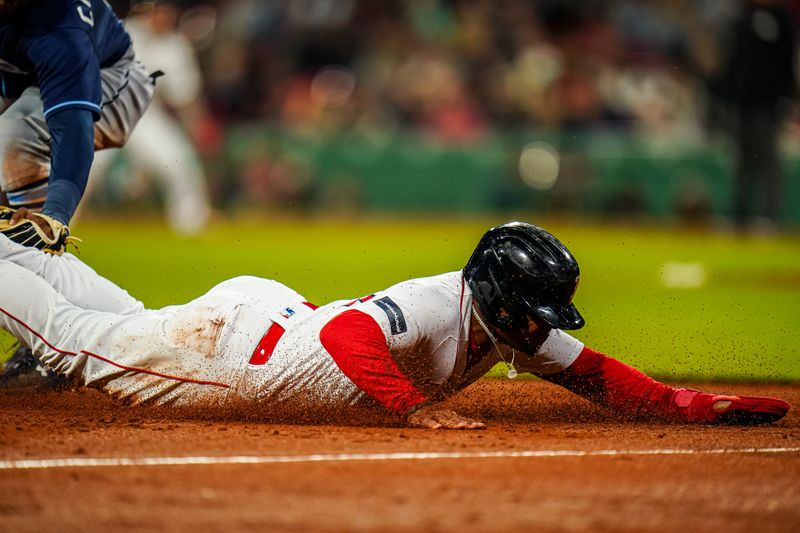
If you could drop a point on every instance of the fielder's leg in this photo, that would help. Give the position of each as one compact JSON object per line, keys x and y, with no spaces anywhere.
{"x":127,"y":92}
{"x":25,"y":140}
{"x":25,"y":151}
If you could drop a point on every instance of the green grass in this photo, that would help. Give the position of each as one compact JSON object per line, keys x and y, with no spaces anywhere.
{"x":741,"y":323}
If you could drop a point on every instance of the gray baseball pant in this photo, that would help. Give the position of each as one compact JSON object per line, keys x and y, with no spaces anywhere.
{"x":25,"y":140}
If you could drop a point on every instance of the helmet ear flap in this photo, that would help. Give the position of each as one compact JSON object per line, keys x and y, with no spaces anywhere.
{"x":493,"y":292}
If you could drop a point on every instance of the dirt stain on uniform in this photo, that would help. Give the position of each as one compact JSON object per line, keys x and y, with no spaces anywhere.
{"x":215,"y":329}
{"x":198,"y":332}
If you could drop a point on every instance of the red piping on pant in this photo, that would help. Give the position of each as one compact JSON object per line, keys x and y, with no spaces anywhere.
{"x":106,"y":360}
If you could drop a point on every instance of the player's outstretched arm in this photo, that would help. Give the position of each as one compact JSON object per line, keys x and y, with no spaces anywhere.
{"x":615,"y":385}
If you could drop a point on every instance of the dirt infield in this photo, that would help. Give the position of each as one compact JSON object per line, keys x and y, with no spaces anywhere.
{"x":548,"y":461}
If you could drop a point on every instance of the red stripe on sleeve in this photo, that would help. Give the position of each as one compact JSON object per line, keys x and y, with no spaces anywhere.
{"x":358,"y":346}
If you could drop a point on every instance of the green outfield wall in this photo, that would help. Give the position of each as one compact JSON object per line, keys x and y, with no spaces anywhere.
{"x":606,"y":173}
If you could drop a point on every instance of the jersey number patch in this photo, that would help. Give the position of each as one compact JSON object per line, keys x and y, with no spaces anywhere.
{"x":397,"y":322}
{"x":85,"y":13}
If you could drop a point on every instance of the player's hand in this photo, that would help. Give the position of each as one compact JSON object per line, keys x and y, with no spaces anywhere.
{"x":24,"y":213}
{"x":694,"y":406}
{"x":434,"y":417}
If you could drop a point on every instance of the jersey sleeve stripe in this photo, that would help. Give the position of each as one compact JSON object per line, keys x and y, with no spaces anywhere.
{"x":76,"y":103}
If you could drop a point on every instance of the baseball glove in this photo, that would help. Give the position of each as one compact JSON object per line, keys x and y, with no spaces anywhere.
{"x":34,"y":232}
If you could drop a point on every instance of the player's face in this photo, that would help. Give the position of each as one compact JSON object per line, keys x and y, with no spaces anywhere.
{"x":527,"y":341}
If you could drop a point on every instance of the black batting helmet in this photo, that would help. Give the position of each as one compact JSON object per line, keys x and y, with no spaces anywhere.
{"x":518,"y":272}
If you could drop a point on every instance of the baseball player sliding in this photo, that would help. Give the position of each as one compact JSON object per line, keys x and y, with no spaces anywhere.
{"x":69,"y":84}
{"x":406,"y":347}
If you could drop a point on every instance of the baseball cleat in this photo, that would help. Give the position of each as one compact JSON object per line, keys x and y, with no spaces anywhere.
{"x":23,"y":370}
{"x":694,"y":406}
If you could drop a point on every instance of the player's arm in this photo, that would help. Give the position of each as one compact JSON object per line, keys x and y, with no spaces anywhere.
{"x":69,"y":81}
{"x":72,"y":149}
{"x":357,"y":344}
{"x":615,"y":385}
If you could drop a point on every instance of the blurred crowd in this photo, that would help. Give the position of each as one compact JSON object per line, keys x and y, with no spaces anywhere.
{"x":459,"y":70}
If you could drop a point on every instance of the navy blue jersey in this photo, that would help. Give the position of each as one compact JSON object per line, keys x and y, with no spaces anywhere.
{"x":60,"y":47}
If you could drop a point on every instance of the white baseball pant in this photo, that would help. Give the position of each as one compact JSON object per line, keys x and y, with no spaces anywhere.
{"x":81,"y":324}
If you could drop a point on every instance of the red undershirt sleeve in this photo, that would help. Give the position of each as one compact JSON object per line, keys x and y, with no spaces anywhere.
{"x":611,"y":383}
{"x":358,"y":346}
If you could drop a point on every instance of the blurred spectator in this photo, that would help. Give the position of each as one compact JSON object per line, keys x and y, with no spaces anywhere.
{"x":456,"y":69}
{"x":758,"y":81}
{"x":466,"y":74}
{"x":271,"y":178}
{"x":162,"y":149}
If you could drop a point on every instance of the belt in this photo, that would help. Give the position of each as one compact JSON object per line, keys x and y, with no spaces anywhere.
{"x":267,"y":344}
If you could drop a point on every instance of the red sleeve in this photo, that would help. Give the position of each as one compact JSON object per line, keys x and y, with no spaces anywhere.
{"x":613,"y":384}
{"x":358,"y":346}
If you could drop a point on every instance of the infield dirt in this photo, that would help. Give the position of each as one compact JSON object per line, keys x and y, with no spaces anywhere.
{"x":694,"y":491}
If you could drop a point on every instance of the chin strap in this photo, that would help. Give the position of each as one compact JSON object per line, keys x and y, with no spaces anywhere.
{"x":512,"y":372}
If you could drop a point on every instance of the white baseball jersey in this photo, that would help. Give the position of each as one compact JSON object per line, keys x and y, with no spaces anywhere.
{"x":172,"y":53}
{"x":246,"y":339}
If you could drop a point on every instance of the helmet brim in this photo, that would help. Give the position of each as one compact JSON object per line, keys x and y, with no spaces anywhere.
{"x":560,"y":317}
